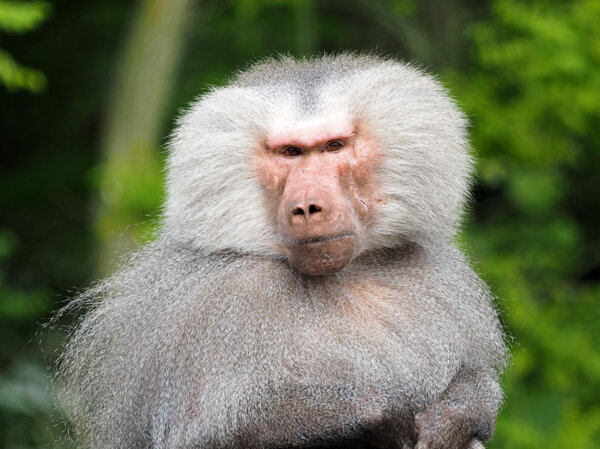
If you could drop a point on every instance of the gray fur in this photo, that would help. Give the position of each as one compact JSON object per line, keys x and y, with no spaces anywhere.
{"x":425,"y":171}
{"x":218,"y":343}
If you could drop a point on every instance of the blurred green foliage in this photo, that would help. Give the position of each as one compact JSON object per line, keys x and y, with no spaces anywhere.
{"x":21,"y":17}
{"x":526,"y":73}
{"x":532,"y":91}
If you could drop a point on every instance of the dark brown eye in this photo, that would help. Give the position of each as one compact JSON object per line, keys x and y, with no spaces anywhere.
{"x":334,"y":145}
{"x":291,"y":151}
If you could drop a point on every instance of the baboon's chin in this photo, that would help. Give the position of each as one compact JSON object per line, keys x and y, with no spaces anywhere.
{"x":320,"y":258}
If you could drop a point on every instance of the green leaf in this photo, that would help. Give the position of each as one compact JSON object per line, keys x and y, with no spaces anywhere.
{"x":20,"y":17}
{"x":15,"y":76}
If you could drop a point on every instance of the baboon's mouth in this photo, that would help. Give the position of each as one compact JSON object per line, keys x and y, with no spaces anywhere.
{"x":320,"y":239}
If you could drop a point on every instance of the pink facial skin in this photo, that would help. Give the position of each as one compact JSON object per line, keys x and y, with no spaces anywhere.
{"x":319,"y":186}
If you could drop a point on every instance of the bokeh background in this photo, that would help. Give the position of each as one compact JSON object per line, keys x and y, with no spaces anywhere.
{"x":89,"y":91}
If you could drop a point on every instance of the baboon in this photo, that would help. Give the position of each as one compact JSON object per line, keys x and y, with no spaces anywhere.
{"x":305,"y":289}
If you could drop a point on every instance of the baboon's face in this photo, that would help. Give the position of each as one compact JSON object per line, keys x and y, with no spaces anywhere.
{"x":321,"y":191}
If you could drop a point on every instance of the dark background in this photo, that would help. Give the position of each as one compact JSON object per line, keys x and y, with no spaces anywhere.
{"x":86,"y":109}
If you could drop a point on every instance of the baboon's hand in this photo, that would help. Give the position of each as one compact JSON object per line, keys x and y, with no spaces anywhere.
{"x":444,"y":425}
{"x":462,"y":416}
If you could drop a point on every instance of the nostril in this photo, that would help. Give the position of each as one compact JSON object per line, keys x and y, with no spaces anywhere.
{"x":297,"y":211}
{"x":313,"y":208}
{"x":306,"y":213}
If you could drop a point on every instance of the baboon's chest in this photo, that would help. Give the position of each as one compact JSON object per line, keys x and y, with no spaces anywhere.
{"x":353,"y":375}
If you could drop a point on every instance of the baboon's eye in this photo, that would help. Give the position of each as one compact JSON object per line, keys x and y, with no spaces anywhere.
{"x":291,"y":151}
{"x":334,"y":145}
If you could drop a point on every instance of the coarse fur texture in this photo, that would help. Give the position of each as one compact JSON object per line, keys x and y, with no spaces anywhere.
{"x":425,"y":169}
{"x":207,"y":338}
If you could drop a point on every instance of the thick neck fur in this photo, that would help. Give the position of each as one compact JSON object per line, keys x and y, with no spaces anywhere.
{"x":211,"y":346}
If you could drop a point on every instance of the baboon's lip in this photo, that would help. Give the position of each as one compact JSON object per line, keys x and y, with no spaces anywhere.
{"x":320,"y":239}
